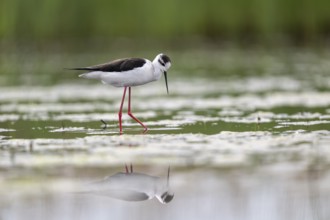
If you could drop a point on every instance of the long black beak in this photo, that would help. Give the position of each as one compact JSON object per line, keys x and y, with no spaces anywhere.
{"x":165,"y":74}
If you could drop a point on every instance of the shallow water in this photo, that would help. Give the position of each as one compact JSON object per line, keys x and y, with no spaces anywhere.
{"x":239,"y":147}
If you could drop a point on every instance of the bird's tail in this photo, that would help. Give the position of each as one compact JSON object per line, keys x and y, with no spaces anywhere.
{"x":91,"y":75}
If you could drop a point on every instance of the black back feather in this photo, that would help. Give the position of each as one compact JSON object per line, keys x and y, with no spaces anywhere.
{"x":120,"y":65}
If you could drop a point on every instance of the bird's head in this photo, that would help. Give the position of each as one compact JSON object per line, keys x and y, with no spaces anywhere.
{"x":163,"y":62}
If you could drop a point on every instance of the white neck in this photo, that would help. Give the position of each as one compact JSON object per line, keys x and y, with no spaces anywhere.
{"x":158,"y":69}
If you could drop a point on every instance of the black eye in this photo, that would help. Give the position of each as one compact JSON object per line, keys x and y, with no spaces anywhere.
{"x":161,"y":62}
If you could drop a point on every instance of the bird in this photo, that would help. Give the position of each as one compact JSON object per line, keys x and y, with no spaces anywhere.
{"x":127,"y":73}
{"x":131,"y":186}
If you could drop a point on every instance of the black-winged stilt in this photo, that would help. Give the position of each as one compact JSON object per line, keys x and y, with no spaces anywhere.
{"x":129,"y":72}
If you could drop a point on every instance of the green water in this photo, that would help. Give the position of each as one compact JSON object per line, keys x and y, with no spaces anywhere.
{"x":246,"y":124}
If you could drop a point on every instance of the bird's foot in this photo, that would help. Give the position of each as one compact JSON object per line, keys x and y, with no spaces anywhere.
{"x":145,"y":130}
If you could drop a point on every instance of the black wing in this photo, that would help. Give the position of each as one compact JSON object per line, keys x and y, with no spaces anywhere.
{"x":120,"y":65}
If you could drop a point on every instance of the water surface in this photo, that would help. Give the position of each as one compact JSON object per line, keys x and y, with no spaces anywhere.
{"x":245,"y":141}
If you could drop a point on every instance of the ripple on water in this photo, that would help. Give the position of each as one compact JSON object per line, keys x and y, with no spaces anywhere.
{"x":181,"y":150}
{"x":232,"y":118}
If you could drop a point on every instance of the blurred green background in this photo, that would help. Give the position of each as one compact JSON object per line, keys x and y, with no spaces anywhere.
{"x":68,"y":20}
{"x":44,"y":36}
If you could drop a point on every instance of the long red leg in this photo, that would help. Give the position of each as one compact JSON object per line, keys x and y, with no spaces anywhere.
{"x":130,"y":113}
{"x":121,"y":111}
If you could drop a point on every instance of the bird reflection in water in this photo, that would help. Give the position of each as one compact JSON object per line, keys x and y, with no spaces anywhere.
{"x":132,"y":186}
